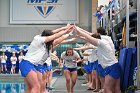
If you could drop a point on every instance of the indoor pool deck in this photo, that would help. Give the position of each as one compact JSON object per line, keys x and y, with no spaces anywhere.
{"x":13,"y":78}
{"x":14,"y":84}
{"x":60,"y":86}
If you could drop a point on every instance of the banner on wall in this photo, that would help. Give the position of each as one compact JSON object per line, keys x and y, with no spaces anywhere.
{"x":44,"y":11}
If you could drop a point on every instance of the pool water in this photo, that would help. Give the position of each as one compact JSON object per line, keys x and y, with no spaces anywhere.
{"x":14,"y":83}
{"x":12,"y":87}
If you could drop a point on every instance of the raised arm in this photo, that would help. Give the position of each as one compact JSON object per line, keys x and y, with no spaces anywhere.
{"x":57,"y":35}
{"x":60,"y":39}
{"x":63,"y":41}
{"x":68,"y":40}
{"x":88,"y":37}
{"x":60,"y":29}
{"x":84,"y":30}
{"x":85,"y":47}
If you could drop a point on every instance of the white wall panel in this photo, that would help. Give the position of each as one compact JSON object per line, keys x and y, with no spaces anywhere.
{"x":25,"y":33}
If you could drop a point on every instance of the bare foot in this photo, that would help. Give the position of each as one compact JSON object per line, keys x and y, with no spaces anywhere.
{"x":96,"y":90}
{"x":101,"y":90}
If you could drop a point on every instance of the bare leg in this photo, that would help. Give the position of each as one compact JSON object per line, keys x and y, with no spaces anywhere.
{"x":90,"y":80}
{"x":40,"y":79}
{"x":109,"y":86}
{"x":14,"y":69}
{"x":28,"y":87}
{"x":33,"y":82}
{"x":44,"y":82}
{"x":92,"y":85}
{"x":2,"y":68}
{"x":47,"y":81}
{"x":5,"y":67}
{"x":67,"y":76}
{"x":87,"y":79}
{"x":102,"y":80}
{"x":50,"y":78}
{"x":73,"y":78}
{"x":117,"y":86}
{"x":97,"y":82}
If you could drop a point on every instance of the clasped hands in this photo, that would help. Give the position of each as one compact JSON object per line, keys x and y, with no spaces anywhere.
{"x":72,"y":29}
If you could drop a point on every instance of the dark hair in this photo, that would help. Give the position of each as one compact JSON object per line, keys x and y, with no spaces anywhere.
{"x":101,"y":30}
{"x":96,"y":35}
{"x":69,"y":48}
{"x":49,"y":44}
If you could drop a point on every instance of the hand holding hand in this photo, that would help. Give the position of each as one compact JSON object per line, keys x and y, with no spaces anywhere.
{"x":76,"y":31}
{"x":69,"y":29}
{"x":66,"y":27}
